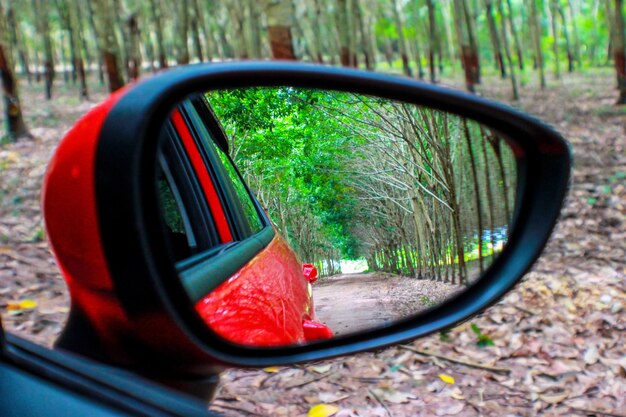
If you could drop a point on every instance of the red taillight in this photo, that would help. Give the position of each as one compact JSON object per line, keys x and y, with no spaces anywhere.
{"x":310,"y":272}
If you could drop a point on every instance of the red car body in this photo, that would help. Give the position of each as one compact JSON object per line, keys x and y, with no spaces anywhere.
{"x":266,"y":302}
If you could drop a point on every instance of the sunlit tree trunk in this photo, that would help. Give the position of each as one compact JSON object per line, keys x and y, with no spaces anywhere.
{"x":433,"y":41}
{"x":619,"y":52}
{"x":573,"y":14}
{"x":404,"y":50}
{"x":594,"y":32}
{"x":555,"y":35}
{"x":536,"y":32}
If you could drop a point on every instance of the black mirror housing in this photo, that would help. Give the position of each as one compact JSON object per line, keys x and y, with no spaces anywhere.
{"x":161,"y":328}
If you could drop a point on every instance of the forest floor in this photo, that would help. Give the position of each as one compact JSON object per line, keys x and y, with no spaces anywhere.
{"x":348,"y":303}
{"x":558,"y":339}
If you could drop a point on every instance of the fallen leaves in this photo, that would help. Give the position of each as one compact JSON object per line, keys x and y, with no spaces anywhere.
{"x":447,"y":379}
{"x":323,"y":410}
{"x":21,"y":305}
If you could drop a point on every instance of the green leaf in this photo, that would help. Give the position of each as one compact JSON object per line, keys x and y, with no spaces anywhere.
{"x":444,"y":335}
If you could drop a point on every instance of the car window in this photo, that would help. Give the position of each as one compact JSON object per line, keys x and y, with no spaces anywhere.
{"x":178,"y":230}
{"x":244,"y":215}
{"x":254,"y":221}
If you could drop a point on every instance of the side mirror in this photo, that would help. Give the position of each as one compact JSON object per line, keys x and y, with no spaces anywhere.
{"x":195,"y":274}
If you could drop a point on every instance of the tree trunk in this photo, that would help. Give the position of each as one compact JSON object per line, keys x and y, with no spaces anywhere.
{"x":155,"y":9}
{"x":471,"y":34}
{"x":575,"y":32}
{"x":343,"y":28}
{"x":134,"y":42}
{"x":535,"y":30}
{"x":516,"y":39}
{"x":12,"y":108}
{"x":42,"y":16}
{"x":366,"y":36}
{"x":63,"y":8}
{"x":182,"y":29}
{"x":555,"y":34}
{"x":433,"y":41}
{"x":495,"y":39}
{"x":97,"y":40}
{"x":476,"y":190}
{"x":16,"y":41}
{"x":568,"y":44}
{"x":203,"y":29}
{"x":464,"y":45}
{"x":619,"y":53}
{"x":507,"y":52}
{"x":279,"y":24}
{"x":404,"y":50}
{"x":108,"y":42}
{"x":76,"y":39}
{"x":195,"y":39}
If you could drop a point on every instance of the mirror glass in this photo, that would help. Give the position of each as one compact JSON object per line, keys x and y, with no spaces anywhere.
{"x":295,"y":215}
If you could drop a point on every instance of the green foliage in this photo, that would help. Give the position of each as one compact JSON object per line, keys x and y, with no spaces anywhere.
{"x":444,"y":335}
{"x":482,"y":339}
{"x":290,"y":152}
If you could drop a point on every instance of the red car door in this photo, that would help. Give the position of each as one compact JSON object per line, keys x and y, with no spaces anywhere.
{"x":255,"y":291}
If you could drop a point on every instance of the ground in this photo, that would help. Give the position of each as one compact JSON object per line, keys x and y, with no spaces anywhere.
{"x":559,"y":338}
{"x":348,"y":303}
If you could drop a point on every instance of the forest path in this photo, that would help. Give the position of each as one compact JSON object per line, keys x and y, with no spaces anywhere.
{"x":349,"y":303}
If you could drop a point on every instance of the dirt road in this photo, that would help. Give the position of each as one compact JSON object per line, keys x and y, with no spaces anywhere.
{"x":349,"y":303}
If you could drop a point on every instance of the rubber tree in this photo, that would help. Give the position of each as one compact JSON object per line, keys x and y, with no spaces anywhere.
{"x":12,"y":109}
{"x":279,"y":15}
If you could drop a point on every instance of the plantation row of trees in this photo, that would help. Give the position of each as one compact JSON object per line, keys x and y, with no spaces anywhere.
{"x":412,"y":190}
{"x":118,"y":39}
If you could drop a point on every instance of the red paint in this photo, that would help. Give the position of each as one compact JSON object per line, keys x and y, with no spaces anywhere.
{"x":264,"y":304}
{"x":310,"y":272}
{"x":314,"y":330}
{"x":71,"y":220}
{"x":208,"y":188}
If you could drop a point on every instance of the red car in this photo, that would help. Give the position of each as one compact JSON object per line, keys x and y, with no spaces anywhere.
{"x":208,"y":211}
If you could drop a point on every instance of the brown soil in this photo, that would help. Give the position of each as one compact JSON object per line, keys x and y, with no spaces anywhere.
{"x":350,"y":303}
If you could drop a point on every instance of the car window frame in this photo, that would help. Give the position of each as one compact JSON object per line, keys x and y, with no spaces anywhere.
{"x":204,"y":272}
{"x":193,"y":207}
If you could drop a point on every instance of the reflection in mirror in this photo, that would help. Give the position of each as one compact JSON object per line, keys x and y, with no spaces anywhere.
{"x":392,"y":208}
